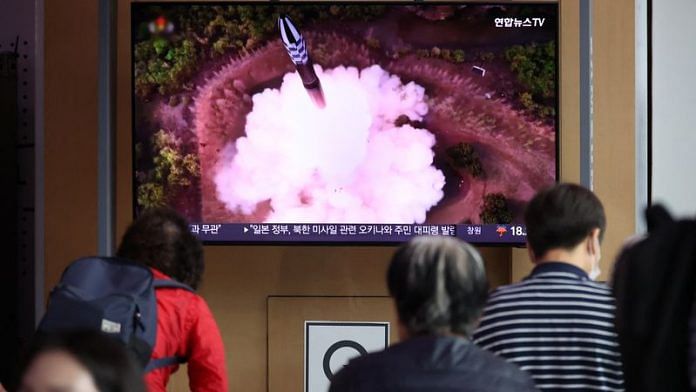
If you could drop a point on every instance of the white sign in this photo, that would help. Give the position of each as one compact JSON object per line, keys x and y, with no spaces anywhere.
{"x":329,"y":345}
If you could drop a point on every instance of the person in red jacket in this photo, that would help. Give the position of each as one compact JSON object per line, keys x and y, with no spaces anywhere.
{"x":160,"y":238}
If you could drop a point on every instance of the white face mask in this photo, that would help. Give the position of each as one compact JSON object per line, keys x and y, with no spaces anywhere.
{"x":596,"y":271}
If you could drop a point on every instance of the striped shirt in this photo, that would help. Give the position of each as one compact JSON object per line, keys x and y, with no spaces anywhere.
{"x":558,"y":325}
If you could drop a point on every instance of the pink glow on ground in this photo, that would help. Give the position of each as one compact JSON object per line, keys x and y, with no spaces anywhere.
{"x":344,"y":163}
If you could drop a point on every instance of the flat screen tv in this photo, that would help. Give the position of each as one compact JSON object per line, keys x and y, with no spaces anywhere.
{"x":339,"y":122}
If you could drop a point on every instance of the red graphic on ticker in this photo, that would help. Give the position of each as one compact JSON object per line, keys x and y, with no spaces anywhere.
{"x":501,"y":230}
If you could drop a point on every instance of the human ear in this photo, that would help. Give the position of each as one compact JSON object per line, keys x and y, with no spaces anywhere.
{"x":593,"y":246}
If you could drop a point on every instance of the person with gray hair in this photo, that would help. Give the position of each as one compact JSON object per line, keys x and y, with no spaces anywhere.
{"x":439,"y":288}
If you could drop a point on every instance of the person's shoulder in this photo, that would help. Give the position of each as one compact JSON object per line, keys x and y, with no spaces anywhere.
{"x":533,"y":283}
{"x":574,"y":290}
{"x":597,"y":285}
{"x":597,"y":291}
{"x":371,"y":361}
{"x":359,"y":372}
{"x":506,"y":289}
{"x":181,"y":301}
{"x":197,"y":305}
{"x":395,"y":358}
{"x":180,"y":298}
{"x":502,"y":297}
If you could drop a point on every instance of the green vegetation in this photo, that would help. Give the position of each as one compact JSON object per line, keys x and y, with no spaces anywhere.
{"x":458,"y":56}
{"x":164,"y":63}
{"x":528,"y":102}
{"x":151,"y":195}
{"x":495,"y":209}
{"x":171,"y":169}
{"x":535,"y":68}
{"x":453,"y":56}
{"x":464,"y":156}
{"x":162,"y":66}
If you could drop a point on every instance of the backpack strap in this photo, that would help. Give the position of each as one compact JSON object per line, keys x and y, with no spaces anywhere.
{"x":175,"y":360}
{"x":163,"y":363}
{"x":171,"y":284}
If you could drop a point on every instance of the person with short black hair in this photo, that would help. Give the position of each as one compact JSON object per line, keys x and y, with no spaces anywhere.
{"x":439,"y":288}
{"x":558,"y":324}
{"x":80,"y":361}
{"x":160,"y":238}
{"x":562,"y":217}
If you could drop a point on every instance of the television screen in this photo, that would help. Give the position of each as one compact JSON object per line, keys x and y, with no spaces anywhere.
{"x":334,"y":122}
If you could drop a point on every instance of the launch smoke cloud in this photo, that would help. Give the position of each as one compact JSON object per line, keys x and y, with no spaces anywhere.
{"x":347,"y":162}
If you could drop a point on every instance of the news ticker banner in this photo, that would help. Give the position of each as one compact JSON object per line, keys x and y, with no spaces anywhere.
{"x":304,"y":232}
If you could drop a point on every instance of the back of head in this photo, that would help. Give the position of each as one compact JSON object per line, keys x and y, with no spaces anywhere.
{"x":439,"y":285}
{"x":111,"y":367}
{"x":561,"y":217}
{"x":160,"y":238}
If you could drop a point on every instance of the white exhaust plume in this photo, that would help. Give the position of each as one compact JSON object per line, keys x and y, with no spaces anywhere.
{"x":346,"y":163}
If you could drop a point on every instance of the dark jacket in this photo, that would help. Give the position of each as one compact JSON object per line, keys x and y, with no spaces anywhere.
{"x":431,"y":363}
{"x":654,"y":285}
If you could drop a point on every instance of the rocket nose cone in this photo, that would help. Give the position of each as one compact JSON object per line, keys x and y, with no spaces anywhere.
{"x":288,"y":30}
{"x":284,"y":23}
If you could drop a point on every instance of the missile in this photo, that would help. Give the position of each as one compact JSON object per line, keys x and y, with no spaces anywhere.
{"x":297,"y":50}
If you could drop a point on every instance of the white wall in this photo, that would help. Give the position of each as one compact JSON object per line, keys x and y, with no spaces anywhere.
{"x":674,"y":105}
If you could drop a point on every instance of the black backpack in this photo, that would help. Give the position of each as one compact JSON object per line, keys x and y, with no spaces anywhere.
{"x":114,"y":296}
